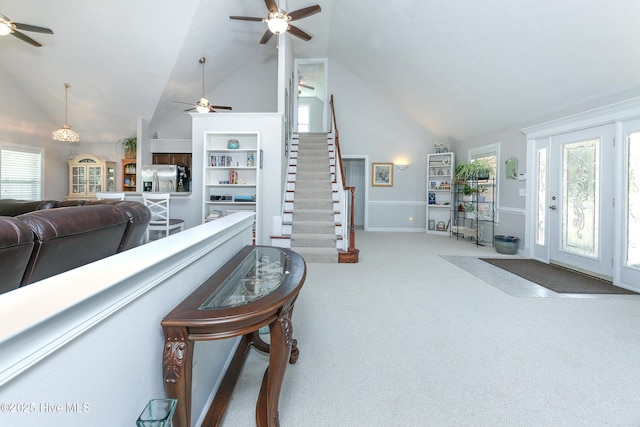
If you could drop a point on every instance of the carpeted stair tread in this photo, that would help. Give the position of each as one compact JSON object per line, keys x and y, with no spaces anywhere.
{"x":314,"y":227}
{"x":319,"y":255}
{"x":306,"y":204}
{"x":313,"y":240}
{"x":312,"y":194}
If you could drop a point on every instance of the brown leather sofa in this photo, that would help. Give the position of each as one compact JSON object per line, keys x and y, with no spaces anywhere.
{"x":42,"y":239}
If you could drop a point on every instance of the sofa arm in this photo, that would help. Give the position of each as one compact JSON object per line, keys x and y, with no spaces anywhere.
{"x":16,"y":246}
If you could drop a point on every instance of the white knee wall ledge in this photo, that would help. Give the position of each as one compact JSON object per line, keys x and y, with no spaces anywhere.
{"x":93,"y":336}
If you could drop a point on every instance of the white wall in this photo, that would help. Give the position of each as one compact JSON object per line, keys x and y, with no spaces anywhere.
{"x":370,"y":125}
{"x":23,"y":122}
{"x":249,"y":89}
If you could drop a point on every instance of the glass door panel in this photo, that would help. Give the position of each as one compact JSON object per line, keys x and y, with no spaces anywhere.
{"x":632,"y":213}
{"x":541,"y":205}
{"x":95,"y":179}
{"x":580,"y":185}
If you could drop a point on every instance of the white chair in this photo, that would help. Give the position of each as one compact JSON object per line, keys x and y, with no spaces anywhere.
{"x":158,"y":204}
{"x":110,"y":195}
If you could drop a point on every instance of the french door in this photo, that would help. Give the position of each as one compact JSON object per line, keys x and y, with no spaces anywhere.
{"x":580,"y":200}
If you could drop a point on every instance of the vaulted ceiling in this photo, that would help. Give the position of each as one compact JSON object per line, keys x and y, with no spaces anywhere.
{"x":460,"y":68}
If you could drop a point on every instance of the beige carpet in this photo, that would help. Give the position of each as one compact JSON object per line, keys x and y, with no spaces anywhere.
{"x":405,"y":338}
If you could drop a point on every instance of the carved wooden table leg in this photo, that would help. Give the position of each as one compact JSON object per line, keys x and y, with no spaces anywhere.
{"x":176,"y":372}
{"x":295,"y":352}
{"x":280,"y":350}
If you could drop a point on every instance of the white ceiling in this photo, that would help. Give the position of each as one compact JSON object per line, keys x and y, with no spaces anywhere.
{"x":460,"y":68}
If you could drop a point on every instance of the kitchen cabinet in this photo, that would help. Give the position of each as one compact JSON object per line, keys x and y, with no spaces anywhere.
{"x":183,"y":159}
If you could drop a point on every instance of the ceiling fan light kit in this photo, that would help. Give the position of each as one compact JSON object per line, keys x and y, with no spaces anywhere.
{"x":278,"y":22}
{"x":4,"y":28}
{"x":202,"y":106}
{"x":65,"y":134}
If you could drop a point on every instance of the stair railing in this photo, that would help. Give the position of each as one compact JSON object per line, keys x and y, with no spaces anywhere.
{"x":347,"y":196}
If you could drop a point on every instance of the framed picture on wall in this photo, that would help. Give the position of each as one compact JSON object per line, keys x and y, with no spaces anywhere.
{"x":382,"y":174}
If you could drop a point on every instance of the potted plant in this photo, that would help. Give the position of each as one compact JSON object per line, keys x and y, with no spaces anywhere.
{"x":468,"y":192}
{"x":480,"y":191}
{"x":469,"y":210}
{"x":129,"y":146}
{"x":474,"y":170}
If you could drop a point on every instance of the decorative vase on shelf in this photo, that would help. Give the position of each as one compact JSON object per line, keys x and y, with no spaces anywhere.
{"x":233,"y":144}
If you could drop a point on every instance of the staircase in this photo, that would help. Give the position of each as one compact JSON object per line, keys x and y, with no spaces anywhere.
{"x":313,"y":224}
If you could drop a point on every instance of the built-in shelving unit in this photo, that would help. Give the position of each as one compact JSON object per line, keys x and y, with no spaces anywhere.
{"x":129,"y":167}
{"x":231,"y":175}
{"x":440,"y":174}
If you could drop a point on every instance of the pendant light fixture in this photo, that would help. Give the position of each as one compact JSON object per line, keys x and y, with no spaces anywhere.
{"x":65,"y":134}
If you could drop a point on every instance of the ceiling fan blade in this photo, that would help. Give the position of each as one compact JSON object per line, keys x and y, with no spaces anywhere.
{"x":190,"y":109}
{"x":245,"y":18}
{"x":306,"y":86}
{"x":303,"y":13}
{"x":220,"y":107}
{"x":32,"y":28}
{"x":181,"y":102}
{"x":271,"y":5}
{"x":295,"y":31}
{"x":266,"y":37}
{"x":24,"y":38}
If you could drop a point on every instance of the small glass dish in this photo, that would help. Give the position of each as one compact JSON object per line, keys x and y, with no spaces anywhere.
{"x":157,"y":413}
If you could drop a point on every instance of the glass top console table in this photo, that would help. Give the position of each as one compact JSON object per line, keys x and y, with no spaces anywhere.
{"x":257,"y":287}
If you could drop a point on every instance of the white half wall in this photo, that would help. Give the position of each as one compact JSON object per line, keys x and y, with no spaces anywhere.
{"x":84,"y":348}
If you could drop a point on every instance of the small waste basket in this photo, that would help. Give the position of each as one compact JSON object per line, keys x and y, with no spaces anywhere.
{"x":507,"y":245}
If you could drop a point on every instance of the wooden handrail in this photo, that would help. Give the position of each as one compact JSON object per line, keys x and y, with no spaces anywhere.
{"x":352,"y":190}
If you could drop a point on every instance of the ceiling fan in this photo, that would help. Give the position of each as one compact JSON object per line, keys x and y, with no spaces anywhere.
{"x":9,"y":27}
{"x":203,"y":105}
{"x":303,"y":85}
{"x":278,"y":20}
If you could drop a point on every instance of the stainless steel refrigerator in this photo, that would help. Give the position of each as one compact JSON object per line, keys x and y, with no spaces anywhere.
{"x":160,"y":178}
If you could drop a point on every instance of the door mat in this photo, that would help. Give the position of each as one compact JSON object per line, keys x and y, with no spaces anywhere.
{"x":557,"y":279}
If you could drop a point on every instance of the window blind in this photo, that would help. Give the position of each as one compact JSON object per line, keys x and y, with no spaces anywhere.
{"x":20,"y":173}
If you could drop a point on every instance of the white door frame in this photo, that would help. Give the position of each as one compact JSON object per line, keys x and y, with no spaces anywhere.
{"x":621,"y":114}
